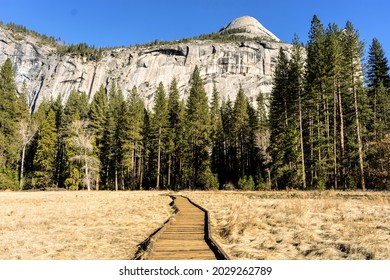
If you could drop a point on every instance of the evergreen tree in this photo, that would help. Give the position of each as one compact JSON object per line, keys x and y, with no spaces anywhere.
{"x":173,"y":148}
{"x":107,"y":151}
{"x":296,"y":76}
{"x":228,"y":175}
{"x":280,"y":125}
{"x":160,"y":123}
{"x":198,"y":131}
{"x":77,"y":102}
{"x":181,"y":172}
{"x":9,"y":138}
{"x":97,"y":117}
{"x":379,"y":89}
{"x":147,"y":146}
{"x":336,"y":100}
{"x":316,"y":102}
{"x":97,"y":113}
{"x":240,"y":130}
{"x":378,"y":67}
{"x":134,"y":151}
{"x":216,"y":134}
{"x":116,"y":107}
{"x":45,"y":160}
{"x":355,"y":98}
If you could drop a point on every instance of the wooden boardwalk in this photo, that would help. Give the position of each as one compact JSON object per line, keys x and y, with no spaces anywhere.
{"x":183,"y":238}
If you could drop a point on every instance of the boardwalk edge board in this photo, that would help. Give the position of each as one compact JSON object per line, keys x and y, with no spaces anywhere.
{"x":146,"y":247}
{"x":218,"y":251}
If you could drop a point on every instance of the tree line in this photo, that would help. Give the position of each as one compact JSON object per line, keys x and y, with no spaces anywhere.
{"x":325,"y":126}
{"x":329,"y":124}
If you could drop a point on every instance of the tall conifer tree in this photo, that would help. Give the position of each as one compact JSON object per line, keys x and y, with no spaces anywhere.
{"x":198,"y":131}
{"x":45,"y":160}
{"x":160,"y":124}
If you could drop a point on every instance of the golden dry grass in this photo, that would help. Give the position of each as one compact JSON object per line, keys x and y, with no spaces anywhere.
{"x":78,"y":225}
{"x":299,"y":225}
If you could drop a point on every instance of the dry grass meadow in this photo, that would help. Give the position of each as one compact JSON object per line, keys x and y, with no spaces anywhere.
{"x":78,"y":225}
{"x":300,"y":225}
{"x":257,"y":225}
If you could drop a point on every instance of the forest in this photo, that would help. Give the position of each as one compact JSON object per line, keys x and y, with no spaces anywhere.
{"x":326,"y":125}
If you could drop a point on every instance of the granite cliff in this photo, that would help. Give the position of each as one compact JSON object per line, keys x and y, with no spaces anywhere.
{"x":249,"y":63}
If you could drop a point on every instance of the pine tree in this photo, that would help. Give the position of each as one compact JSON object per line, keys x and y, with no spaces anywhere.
{"x":97,"y":113}
{"x":198,"y":131}
{"x":216,"y":134}
{"x":181,"y":148}
{"x":173,"y":148}
{"x":97,"y":117}
{"x":9,"y":140}
{"x":240,"y":129}
{"x":45,"y":160}
{"x":8,"y":116}
{"x":280,"y":129}
{"x":77,"y":102}
{"x":107,"y":151}
{"x":147,"y":146}
{"x":379,"y":89}
{"x":296,"y":76}
{"x":316,"y":101}
{"x":229,"y":173}
{"x":159,"y":127}
{"x":378,"y":67}
{"x":134,"y":151}
{"x":355,"y":99}
{"x":116,"y":107}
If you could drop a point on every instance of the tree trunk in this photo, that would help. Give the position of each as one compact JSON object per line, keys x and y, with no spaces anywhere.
{"x":301,"y":141}
{"x":328,"y":139}
{"x":87,"y":171}
{"x":158,"y":159}
{"x":140,"y":168}
{"x":169,"y":171}
{"x":359,"y":139}
{"x":22,"y":167}
{"x":97,"y":182}
{"x":342,"y":141}
{"x":311,"y":135}
{"x":133,"y":166}
{"x":375,"y":121}
{"x":122,"y":178}
{"x":318,"y":172}
{"x":116,"y":178}
{"x":335,"y":134}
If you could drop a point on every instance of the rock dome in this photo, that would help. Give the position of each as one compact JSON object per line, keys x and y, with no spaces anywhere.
{"x":252,"y":27}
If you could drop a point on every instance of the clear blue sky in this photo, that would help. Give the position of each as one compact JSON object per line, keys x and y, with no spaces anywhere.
{"x":125,"y":22}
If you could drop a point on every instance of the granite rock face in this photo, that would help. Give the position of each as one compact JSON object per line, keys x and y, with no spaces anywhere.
{"x":228,"y":65}
{"x":251,"y":28}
